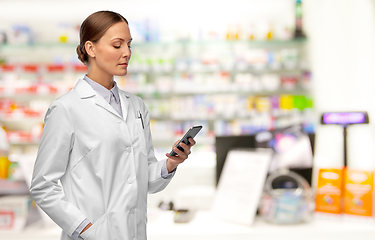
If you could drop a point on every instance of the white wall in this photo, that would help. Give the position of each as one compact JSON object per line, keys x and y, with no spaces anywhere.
{"x":342,"y":34}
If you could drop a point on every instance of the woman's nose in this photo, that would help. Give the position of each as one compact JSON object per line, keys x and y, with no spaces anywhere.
{"x":127,"y":53}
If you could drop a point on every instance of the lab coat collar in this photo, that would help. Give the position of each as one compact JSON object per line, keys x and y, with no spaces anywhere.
{"x":84,"y":90}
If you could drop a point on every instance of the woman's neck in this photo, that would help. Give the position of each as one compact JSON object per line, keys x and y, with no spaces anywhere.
{"x":106,"y":80}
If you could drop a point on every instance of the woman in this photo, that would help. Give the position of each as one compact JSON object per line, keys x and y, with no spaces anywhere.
{"x":97,"y":142}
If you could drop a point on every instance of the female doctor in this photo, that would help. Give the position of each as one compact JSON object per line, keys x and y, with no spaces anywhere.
{"x":97,"y":142}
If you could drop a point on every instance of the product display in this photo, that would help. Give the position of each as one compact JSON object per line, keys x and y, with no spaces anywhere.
{"x":328,"y":194}
{"x":13,"y":212}
{"x":358,"y":193}
{"x":345,"y":190}
{"x":345,"y":119}
{"x":287,"y":198}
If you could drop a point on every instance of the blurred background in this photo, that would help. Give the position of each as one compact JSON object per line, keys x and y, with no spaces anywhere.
{"x":258,"y":75}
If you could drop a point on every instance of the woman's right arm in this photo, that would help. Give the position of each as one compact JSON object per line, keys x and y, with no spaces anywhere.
{"x":52,"y":160}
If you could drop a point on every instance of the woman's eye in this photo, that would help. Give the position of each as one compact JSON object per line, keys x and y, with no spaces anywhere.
{"x":116,"y":46}
{"x":129,"y":46}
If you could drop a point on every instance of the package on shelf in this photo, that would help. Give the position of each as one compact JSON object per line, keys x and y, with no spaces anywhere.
{"x":164,"y":84}
{"x":161,"y":130}
{"x":289,"y":57}
{"x":13,"y":212}
{"x":274,"y":60}
{"x":158,"y":108}
{"x":20,"y":34}
{"x":257,"y":58}
{"x":135,"y":82}
{"x":261,"y":121}
{"x":289,"y":82}
{"x":11,"y":113}
{"x":3,"y":37}
{"x":270,"y":82}
{"x":18,"y":137}
{"x":24,"y":137}
{"x":67,"y":33}
{"x":40,"y":105}
{"x":194,"y":83}
{"x":12,"y":110}
{"x":306,"y":80}
{"x":243,"y":82}
{"x":42,"y":73}
{"x":169,"y":131}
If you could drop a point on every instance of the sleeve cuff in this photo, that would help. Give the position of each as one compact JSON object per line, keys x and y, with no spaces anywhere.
{"x":164,"y":171}
{"x":79,"y":229}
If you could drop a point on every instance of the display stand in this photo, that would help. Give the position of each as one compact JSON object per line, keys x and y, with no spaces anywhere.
{"x":355,"y":196}
{"x":345,"y":119}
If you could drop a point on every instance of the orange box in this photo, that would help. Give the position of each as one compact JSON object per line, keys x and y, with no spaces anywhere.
{"x":328,"y":192}
{"x":358,"y":193}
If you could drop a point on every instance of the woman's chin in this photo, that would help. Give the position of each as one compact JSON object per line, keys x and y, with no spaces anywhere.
{"x":121,"y":73}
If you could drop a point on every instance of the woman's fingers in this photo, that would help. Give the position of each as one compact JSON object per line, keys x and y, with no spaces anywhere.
{"x":182,"y":155}
{"x":192,"y":142}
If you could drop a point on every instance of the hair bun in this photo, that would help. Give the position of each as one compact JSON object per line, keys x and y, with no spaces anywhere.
{"x":81,"y":55}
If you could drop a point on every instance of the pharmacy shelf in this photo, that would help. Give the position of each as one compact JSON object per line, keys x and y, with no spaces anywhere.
{"x":158,"y":141}
{"x":152,"y":92}
{"x":292,"y":42}
{"x":10,"y":187}
{"x":214,"y":69}
{"x":181,"y":82}
{"x":12,"y":119}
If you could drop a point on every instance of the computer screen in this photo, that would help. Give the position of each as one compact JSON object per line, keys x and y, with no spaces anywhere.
{"x":224,"y":144}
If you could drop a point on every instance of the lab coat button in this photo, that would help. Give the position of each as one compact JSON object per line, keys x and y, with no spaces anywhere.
{"x":131,"y":180}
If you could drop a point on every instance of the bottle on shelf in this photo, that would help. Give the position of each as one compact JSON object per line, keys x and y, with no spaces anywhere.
{"x":298,"y":32}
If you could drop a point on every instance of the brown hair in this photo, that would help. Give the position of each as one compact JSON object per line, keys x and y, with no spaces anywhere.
{"x":93,"y":28}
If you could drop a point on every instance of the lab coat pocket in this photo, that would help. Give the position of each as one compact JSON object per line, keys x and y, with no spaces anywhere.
{"x":141,"y":136}
{"x":100,"y":230}
{"x":83,"y":157}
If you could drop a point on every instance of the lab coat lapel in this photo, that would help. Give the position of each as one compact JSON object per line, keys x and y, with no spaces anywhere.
{"x":124,"y":98}
{"x":85,"y":91}
{"x":100,"y":101}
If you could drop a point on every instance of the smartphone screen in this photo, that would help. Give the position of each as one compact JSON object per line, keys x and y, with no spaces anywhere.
{"x":191,"y":133}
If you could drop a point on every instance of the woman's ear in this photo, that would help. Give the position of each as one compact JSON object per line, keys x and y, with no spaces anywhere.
{"x":89,"y":46}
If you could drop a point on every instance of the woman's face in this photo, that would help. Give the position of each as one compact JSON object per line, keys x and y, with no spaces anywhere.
{"x":112,"y":51}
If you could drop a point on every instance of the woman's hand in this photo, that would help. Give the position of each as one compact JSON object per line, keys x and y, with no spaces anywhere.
{"x":87,"y":227}
{"x":174,"y":161}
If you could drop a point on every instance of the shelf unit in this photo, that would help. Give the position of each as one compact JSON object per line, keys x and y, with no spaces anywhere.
{"x":230,"y":87}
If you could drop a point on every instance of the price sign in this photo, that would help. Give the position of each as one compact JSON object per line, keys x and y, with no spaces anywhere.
{"x":6,"y":220}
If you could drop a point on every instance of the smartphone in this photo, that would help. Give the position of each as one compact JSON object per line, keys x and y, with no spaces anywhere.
{"x":191,"y":133}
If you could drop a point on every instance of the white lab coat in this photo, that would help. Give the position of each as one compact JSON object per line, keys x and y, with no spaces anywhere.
{"x":106,"y":165}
